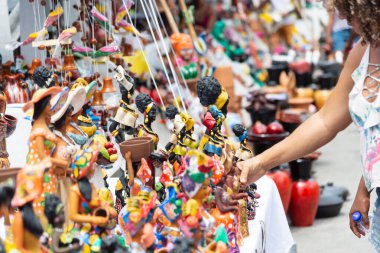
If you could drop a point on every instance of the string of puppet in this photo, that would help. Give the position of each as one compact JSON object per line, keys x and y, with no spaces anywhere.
{"x":176,"y":80}
{"x":153,"y":14}
{"x":35,"y":24}
{"x":145,"y":59}
{"x":171,"y":47}
{"x":161,"y":59}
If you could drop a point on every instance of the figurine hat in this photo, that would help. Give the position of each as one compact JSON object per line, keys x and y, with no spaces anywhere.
{"x":90,"y":88}
{"x":75,"y":98}
{"x":40,"y":94}
{"x":83,"y":161}
{"x":29,"y":183}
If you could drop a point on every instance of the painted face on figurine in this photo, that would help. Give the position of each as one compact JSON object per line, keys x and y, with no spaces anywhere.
{"x":187,"y":53}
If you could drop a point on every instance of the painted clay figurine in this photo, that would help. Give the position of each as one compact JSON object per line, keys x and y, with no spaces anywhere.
{"x":123,"y":126}
{"x":146,"y":106}
{"x":243,"y":153}
{"x":43,"y":78}
{"x":175,"y":147}
{"x":26,"y":225}
{"x":213,"y":96}
{"x":55,"y":214}
{"x":42,"y":141}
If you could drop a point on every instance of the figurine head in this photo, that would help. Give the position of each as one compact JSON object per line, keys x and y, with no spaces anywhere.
{"x":54,"y":211}
{"x":240,"y":131}
{"x":146,"y":106}
{"x":183,"y":45}
{"x":43,"y":77}
{"x":210,"y":92}
{"x":7,"y":190}
{"x":171,"y":112}
{"x":43,"y":104}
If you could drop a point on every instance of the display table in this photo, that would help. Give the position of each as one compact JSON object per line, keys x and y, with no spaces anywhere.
{"x":269,"y":232}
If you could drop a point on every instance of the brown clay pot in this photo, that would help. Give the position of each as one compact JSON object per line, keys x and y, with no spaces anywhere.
{"x":140,"y":147}
{"x":11,"y":124}
{"x":305,"y":92}
{"x":321,"y":97}
{"x":300,"y":103}
{"x":36,"y":62}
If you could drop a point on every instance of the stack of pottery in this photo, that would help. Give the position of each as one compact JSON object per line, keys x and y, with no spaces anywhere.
{"x":305,"y":194}
{"x":327,"y":82}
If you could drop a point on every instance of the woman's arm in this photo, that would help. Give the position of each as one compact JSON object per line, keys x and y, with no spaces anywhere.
{"x":318,"y":130}
{"x":360,"y":204}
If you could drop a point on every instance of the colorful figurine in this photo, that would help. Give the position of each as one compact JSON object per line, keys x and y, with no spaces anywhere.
{"x":43,"y":78}
{"x":62,"y":242}
{"x":86,"y":206}
{"x":85,"y":119}
{"x":42,"y":141}
{"x":213,"y":96}
{"x":175,"y":147}
{"x":26,"y":225}
{"x":146,"y":106}
{"x":243,"y":153}
{"x":186,"y":58}
{"x":123,"y":126}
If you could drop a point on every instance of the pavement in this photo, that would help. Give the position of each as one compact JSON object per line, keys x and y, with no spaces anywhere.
{"x":340,"y":164}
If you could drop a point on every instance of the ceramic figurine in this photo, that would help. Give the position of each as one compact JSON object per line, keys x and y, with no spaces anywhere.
{"x":123,"y":126}
{"x":146,"y":106}
{"x":175,"y":147}
{"x":135,"y":219}
{"x":120,"y":198}
{"x":85,"y":119}
{"x":62,"y":242}
{"x":7,"y":127}
{"x":187,"y":61}
{"x":26,"y":225}
{"x":168,"y":214}
{"x":213,"y":96}
{"x":7,"y":191}
{"x":243,"y":153}
{"x":86,"y":206}
{"x":73,"y":130}
{"x":252,"y":201}
{"x":43,"y":78}
{"x":42,"y":141}
{"x":189,"y":122}
{"x":220,"y":242}
{"x":196,"y":185}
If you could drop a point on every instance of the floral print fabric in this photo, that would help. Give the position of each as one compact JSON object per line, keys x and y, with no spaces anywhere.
{"x":366,"y":115}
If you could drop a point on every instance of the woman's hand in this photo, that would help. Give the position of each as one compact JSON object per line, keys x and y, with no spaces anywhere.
{"x":361,"y":204}
{"x":251,"y":170}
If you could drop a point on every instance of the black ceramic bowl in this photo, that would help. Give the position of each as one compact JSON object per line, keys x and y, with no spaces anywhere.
{"x":262,"y":142}
{"x":329,"y":205}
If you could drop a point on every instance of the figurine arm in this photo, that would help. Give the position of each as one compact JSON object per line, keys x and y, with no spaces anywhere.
{"x":129,"y":167}
{"x":219,"y":202}
{"x":18,"y":229}
{"x":77,"y":217}
{"x":40,"y":145}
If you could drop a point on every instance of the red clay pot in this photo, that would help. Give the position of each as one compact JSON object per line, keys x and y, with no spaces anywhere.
{"x":284,"y":185}
{"x":304,"y":202}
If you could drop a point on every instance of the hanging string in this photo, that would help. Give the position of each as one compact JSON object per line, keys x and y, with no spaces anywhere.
{"x":144,"y":56}
{"x":176,"y":80}
{"x":160,"y":56}
{"x":35,"y":25}
{"x":171,"y":47}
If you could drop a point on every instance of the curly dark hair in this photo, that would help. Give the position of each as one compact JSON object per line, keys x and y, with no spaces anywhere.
{"x":40,"y":75}
{"x":208,"y":89}
{"x":171,"y":112}
{"x":363,"y":12}
{"x":51,"y":203}
{"x":239,"y":130}
{"x":142,"y":101}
